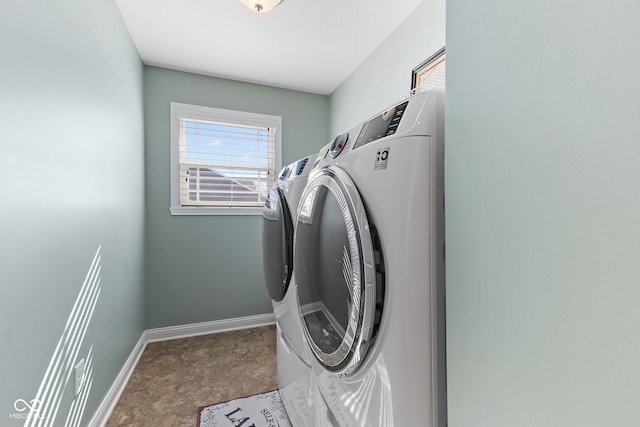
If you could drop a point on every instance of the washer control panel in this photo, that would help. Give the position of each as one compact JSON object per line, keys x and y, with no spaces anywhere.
{"x":385,"y":124}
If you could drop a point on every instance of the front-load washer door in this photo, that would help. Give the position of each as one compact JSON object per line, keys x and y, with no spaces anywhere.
{"x":336,"y":271}
{"x":277,"y":244}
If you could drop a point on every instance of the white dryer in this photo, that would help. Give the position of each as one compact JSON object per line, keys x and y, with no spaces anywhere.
{"x":369,"y":267}
{"x":279,"y":218}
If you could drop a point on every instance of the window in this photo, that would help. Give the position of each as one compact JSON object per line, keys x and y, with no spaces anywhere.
{"x":223,"y":162}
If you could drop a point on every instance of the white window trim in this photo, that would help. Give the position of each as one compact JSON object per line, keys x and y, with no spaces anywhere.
{"x":239,"y":117}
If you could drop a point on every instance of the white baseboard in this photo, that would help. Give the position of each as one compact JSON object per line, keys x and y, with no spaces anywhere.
{"x":107,"y":406}
{"x":105,"y":409}
{"x":205,"y":328}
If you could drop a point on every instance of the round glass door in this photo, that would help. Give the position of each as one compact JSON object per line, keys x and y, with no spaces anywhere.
{"x":277,"y":244}
{"x":335,"y":271}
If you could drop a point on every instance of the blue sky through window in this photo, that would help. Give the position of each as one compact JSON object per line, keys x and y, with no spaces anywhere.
{"x":231,"y":149}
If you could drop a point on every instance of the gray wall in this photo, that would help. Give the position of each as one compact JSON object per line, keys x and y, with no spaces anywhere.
{"x":204,"y":268}
{"x":543,"y":213}
{"x":386,"y":74}
{"x":71,"y":180}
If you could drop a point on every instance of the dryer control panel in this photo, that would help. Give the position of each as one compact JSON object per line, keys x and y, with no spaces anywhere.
{"x":385,"y":124}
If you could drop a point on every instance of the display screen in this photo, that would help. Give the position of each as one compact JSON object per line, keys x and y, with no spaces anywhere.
{"x":379,"y":126}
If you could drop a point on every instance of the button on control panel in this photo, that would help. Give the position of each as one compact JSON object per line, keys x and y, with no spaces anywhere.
{"x":395,"y":118}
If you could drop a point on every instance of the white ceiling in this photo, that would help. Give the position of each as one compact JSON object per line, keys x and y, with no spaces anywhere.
{"x":305,"y":45}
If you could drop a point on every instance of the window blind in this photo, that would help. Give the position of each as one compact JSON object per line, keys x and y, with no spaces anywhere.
{"x":223,"y":163}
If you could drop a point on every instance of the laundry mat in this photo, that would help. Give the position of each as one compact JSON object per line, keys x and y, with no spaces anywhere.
{"x":259,"y":410}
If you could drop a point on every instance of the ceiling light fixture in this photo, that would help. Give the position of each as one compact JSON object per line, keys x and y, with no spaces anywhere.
{"x":261,"y":6}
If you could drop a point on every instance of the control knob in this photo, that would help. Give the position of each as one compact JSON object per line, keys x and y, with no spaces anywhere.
{"x":338,"y":144}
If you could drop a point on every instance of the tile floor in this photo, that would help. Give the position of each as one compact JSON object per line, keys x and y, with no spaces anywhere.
{"x":174,"y":378}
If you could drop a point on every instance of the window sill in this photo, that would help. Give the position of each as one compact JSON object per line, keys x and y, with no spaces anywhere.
{"x":206,"y":210}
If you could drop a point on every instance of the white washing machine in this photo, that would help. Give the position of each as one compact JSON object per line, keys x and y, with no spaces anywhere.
{"x":369,"y":268}
{"x":279,"y":218}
